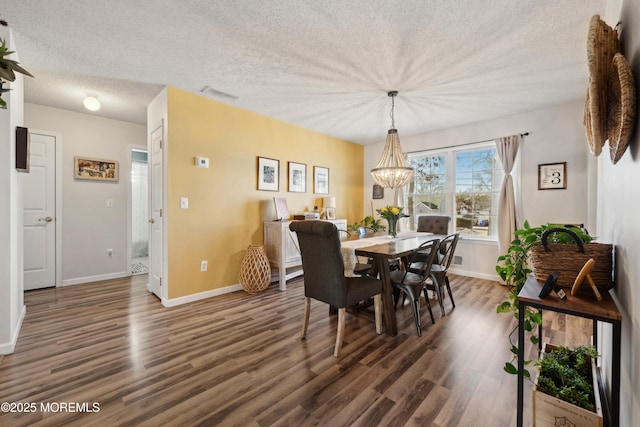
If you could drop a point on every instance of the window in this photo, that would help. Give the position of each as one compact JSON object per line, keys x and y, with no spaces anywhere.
{"x":461,"y":183}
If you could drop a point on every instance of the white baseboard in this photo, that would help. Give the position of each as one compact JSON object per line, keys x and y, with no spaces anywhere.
{"x":9,"y":347}
{"x":474,"y":274}
{"x":200,"y":296}
{"x":89,"y":279}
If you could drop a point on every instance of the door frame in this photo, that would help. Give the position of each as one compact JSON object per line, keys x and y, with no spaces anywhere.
{"x":131,"y":147}
{"x":58,"y":198}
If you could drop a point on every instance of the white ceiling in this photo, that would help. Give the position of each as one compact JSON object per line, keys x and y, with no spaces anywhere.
{"x":323,"y":65}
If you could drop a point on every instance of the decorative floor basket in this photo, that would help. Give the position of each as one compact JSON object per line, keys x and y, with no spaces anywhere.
{"x":568,"y":259}
{"x":255,"y":273}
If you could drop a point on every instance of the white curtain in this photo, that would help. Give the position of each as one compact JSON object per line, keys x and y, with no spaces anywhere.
{"x":140,"y":210}
{"x":507,"y":149}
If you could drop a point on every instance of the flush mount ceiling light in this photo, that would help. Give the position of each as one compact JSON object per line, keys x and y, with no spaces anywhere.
{"x":393,"y":170}
{"x":91,"y":103}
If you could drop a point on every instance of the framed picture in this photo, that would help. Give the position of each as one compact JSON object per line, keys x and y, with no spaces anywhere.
{"x":378,"y":191}
{"x":297,"y":177}
{"x":282,"y":210}
{"x":268,"y":174}
{"x":331,"y":213}
{"x":320,"y":180}
{"x":552,"y":176}
{"x":96,"y":169}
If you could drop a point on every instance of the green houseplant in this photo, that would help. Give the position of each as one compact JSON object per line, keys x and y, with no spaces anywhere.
{"x":367,"y":222}
{"x":514,"y":269}
{"x":8,"y":68}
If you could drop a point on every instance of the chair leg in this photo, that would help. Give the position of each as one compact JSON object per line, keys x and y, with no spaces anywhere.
{"x":426,"y":301}
{"x":446,"y":280}
{"x":305,"y":320}
{"x":436,"y":283}
{"x":340,"y":334}
{"x":416,"y":314}
{"x":377,"y":308}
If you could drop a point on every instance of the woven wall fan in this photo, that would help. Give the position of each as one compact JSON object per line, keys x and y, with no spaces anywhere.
{"x":610,"y":104}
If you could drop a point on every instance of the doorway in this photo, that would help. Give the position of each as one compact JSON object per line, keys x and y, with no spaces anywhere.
{"x":139,"y":211}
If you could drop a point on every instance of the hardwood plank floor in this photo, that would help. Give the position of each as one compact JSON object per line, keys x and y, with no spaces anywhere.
{"x":237,"y":360}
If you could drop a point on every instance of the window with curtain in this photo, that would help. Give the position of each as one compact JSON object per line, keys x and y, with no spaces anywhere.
{"x":462,"y":183}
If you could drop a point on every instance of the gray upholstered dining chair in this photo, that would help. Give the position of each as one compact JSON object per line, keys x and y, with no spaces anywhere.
{"x":411,"y":283}
{"x":436,"y":224}
{"x":324,"y":278}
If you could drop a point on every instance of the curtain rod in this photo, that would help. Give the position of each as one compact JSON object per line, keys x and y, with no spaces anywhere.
{"x":461,"y":145}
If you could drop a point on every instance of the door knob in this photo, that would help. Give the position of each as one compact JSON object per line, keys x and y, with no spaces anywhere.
{"x":152,"y":220}
{"x":46,"y":219}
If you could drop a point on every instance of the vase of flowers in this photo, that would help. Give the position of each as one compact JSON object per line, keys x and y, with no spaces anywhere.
{"x":392,"y":214}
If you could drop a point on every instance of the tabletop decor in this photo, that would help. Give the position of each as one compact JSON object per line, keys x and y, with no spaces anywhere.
{"x":392,"y":214}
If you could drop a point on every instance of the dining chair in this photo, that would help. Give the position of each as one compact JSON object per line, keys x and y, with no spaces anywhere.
{"x":324,"y":278}
{"x":438,"y":274}
{"x":411,"y":283}
{"x":436,"y":224}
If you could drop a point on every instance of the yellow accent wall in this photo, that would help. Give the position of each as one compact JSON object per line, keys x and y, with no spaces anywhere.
{"x":226,"y":211}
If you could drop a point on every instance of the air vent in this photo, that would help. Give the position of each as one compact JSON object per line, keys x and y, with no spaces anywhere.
{"x":217,"y":94}
{"x":457,"y":260}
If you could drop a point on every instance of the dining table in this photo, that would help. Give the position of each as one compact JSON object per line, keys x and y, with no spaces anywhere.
{"x":383,"y":249}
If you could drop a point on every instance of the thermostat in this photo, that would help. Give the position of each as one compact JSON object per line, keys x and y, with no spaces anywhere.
{"x":202,"y":162}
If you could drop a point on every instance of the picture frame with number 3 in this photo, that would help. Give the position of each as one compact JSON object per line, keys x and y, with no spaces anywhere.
{"x":552,"y":176}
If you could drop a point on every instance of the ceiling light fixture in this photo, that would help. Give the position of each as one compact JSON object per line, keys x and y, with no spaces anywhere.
{"x":91,"y":103}
{"x":393,"y":170}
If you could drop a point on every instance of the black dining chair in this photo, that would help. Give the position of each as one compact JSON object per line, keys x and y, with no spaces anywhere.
{"x":438,"y":274}
{"x":412,"y":283}
{"x":324,"y":278}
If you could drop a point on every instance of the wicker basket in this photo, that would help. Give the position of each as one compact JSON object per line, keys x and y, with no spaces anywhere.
{"x":568,"y":259}
{"x":255,"y":273}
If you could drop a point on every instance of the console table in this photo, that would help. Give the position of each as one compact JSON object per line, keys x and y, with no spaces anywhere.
{"x":282,"y":248}
{"x":583,"y":305}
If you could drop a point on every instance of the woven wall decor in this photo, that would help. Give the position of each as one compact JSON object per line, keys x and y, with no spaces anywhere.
{"x":255,"y":273}
{"x":622,"y":107}
{"x":602,"y":45}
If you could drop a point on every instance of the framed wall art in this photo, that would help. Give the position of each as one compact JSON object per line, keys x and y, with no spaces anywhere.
{"x":297,"y":177}
{"x":96,"y":169}
{"x":268,"y":174}
{"x":378,"y":191}
{"x":552,"y":176}
{"x":320,"y":180}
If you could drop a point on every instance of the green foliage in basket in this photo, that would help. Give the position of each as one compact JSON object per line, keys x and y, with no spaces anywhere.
{"x":514,"y":269}
{"x":566,"y":374}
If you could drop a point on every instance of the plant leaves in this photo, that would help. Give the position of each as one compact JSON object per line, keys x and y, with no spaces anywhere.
{"x":509,"y":368}
{"x":505,"y":307}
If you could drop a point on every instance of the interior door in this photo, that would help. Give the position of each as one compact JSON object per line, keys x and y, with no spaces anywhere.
{"x":156,"y":221}
{"x":39,"y":209}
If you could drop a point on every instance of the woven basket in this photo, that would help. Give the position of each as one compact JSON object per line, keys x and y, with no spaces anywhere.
{"x":255,"y":273}
{"x":568,"y":260}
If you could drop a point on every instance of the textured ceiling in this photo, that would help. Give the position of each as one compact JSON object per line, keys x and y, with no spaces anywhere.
{"x":323,"y":65}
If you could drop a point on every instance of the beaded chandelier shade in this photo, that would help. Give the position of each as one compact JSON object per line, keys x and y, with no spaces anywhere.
{"x":393,"y":170}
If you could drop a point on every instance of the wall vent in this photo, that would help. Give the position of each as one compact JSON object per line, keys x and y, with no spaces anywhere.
{"x":457,"y":260}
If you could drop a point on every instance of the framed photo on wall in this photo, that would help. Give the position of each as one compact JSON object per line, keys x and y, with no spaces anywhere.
{"x":378,"y":191}
{"x":297,"y":177}
{"x":268,"y":174}
{"x":552,"y":176}
{"x":320,"y":180}
{"x":96,"y":169}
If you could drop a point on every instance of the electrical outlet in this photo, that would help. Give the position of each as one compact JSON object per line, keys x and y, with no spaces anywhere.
{"x":203,"y":265}
{"x":109,"y":253}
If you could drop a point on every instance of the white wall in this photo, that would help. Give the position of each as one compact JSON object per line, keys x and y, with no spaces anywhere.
{"x":556,"y":134}
{"x":89,"y":227}
{"x":11,"y":259}
{"x":618,"y":208}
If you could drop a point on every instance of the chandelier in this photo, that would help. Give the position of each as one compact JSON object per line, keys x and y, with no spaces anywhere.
{"x":393,"y":170}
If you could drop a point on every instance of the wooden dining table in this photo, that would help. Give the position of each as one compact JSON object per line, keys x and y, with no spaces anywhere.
{"x":399,"y":247}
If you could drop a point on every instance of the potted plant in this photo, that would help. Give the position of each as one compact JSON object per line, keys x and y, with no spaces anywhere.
{"x":366,"y":222}
{"x":8,"y":68}
{"x":566,"y":388}
{"x":514,"y":269}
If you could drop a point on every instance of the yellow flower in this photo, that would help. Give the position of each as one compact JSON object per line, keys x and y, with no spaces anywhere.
{"x":383,"y":210}
{"x":395,"y":210}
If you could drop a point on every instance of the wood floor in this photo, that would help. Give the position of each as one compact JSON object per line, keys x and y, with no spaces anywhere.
{"x":237,"y":360}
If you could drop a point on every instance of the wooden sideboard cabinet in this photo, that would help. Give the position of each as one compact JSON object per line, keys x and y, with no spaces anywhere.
{"x":283,"y":251}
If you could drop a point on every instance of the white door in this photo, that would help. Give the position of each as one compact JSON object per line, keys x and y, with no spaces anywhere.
{"x":39,"y":209}
{"x":156,"y":220}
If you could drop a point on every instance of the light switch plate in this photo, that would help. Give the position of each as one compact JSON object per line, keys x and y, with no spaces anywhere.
{"x":202,"y":162}
{"x":184,"y":202}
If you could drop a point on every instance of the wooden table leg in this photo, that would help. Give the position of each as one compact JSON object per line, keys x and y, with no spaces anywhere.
{"x":387,"y":297}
